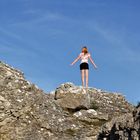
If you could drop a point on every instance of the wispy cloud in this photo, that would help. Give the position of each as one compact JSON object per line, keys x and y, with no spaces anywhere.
{"x":13,"y":43}
{"x":130,"y":55}
{"x":119,"y":41}
{"x":5,"y":48}
{"x":38,"y":17}
{"x":110,"y":35}
{"x":16,"y":50}
{"x":10,"y":34}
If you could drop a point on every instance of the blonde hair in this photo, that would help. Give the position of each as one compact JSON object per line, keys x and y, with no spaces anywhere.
{"x":84,"y":50}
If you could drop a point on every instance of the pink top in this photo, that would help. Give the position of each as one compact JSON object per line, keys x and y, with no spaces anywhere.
{"x":84,"y":57}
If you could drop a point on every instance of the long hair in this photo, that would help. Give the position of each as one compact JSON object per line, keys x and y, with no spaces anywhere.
{"x":84,"y":50}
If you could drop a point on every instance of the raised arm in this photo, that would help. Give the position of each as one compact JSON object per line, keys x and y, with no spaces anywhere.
{"x":75,"y":60}
{"x":92,"y":62}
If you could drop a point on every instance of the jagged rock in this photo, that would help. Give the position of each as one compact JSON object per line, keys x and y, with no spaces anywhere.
{"x":69,"y":113}
{"x":69,"y":99}
{"x":123,"y":127}
{"x":113,"y":104}
{"x":91,"y":116}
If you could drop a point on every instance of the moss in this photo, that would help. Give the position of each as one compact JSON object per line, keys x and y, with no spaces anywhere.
{"x":93,"y":105}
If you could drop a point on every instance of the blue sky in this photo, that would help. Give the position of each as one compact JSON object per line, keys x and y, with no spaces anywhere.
{"x":42,"y":38}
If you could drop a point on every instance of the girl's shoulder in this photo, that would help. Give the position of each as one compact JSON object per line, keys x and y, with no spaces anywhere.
{"x":81,"y":54}
{"x":88,"y":54}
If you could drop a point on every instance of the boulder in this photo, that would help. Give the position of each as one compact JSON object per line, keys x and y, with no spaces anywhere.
{"x":73,"y":101}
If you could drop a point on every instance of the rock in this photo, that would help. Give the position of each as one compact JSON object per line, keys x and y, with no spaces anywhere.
{"x":91,"y":116}
{"x":124,"y":127}
{"x":68,"y":113}
{"x":73,"y":101}
{"x":71,"y":97}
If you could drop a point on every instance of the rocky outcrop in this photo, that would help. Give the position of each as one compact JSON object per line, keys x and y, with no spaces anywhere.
{"x":74,"y":99}
{"x":125,"y":127}
{"x":113,"y":104}
{"x":68,"y":113}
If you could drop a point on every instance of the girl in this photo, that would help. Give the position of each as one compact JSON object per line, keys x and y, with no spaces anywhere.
{"x":84,"y":67}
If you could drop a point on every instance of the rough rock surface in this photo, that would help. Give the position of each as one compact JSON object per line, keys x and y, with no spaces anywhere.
{"x":113,"y":104}
{"x":125,"y":127}
{"x":68,"y":113}
{"x":73,"y":100}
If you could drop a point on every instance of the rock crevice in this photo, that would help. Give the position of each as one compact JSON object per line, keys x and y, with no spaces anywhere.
{"x":69,"y":113}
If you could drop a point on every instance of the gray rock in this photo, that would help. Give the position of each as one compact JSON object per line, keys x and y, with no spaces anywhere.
{"x":123,"y":127}
{"x":73,"y":101}
{"x":69,"y":113}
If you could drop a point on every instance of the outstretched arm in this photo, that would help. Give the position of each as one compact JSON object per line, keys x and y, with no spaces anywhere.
{"x":92,"y":62}
{"x":75,"y":60}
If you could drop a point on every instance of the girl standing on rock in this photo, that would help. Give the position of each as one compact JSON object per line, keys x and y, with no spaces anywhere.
{"x":84,"y":66}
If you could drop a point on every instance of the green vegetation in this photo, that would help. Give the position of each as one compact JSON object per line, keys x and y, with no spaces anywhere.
{"x":93,"y":105}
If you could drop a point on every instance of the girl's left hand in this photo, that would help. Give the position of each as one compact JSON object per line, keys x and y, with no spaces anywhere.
{"x":95,"y":67}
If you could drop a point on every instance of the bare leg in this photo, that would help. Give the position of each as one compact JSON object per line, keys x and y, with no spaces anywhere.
{"x":86,"y":71}
{"x":82,"y":77}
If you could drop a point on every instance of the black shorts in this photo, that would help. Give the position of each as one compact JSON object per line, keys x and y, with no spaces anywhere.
{"x":84,"y":66}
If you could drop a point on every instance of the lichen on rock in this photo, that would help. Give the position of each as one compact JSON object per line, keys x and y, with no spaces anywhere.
{"x":69,"y":113}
